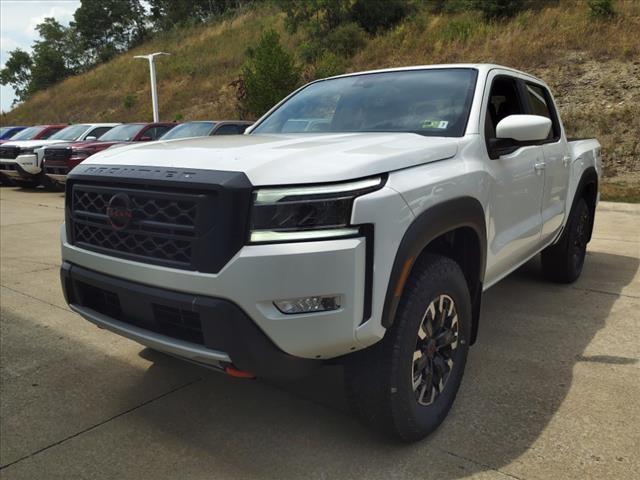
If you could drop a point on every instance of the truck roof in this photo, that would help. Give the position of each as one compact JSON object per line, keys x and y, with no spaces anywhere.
{"x":482,"y":67}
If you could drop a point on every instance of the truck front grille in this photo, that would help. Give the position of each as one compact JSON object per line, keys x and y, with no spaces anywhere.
{"x":187,"y":219}
{"x":57,"y":154}
{"x":161,"y":229}
{"x":9,"y":152}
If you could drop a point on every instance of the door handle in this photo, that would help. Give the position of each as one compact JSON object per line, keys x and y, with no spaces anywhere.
{"x":539,"y":166}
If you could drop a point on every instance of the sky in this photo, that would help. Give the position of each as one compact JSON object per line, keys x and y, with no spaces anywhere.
{"x":18,"y":19}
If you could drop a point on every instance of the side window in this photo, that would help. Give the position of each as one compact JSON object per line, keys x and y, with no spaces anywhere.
{"x":156,"y":132}
{"x":98,"y":132}
{"x":228,"y":129}
{"x":539,"y":104}
{"x":50,"y":132}
{"x":504,"y":100}
{"x":150,"y":132}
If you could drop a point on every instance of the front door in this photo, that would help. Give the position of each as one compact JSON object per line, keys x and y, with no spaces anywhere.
{"x":515,"y":222}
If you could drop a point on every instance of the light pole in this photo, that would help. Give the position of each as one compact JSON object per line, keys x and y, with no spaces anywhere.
{"x":154,"y":89}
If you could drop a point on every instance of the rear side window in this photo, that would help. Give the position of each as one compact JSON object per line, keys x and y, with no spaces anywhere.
{"x":50,"y":132}
{"x":98,"y":131}
{"x":540,"y":104}
{"x":228,"y":129}
{"x":156,"y":132}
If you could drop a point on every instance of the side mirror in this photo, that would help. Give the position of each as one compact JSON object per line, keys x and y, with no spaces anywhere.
{"x":91,"y":138}
{"x":524,"y":128}
{"x":145,"y":139}
{"x":517,"y":131}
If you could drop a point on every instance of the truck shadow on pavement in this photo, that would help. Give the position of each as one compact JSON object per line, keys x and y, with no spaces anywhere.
{"x":532,"y":335}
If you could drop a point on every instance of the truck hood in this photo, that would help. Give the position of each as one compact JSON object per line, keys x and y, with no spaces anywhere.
{"x":288,"y":159}
{"x":32,"y":143}
{"x":88,"y":144}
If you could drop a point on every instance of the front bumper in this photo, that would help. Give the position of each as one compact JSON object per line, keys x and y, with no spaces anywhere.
{"x":23,"y":166}
{"x":209,"y":331}
{"x":57,"y":177}
{"x":255,"y":277}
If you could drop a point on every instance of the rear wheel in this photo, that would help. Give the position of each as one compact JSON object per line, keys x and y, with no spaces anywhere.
{"x":563,"y":261}
{"x":406,"y":383}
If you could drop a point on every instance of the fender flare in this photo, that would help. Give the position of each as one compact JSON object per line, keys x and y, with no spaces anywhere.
{"x":588,"y":177}
{"x":427,"y":226}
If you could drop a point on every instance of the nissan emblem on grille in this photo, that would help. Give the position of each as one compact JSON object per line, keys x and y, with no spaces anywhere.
{"x":119,"y":211}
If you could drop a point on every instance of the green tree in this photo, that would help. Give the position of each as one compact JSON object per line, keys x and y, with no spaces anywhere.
{"x":377,"y":15}
{"x":168,"y":14}
{"x":51,"y":56}
{"x":327,"y":24}
{"x":495,"y":9}
{"x":319,"y":15}
{"x":17,"y":73}
{"x":601,"y":8}
{"x":269,"y":74}
{"x":107,"y":27}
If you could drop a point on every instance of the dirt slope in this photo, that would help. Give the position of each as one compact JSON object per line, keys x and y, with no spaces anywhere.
{"x":592,"y":66}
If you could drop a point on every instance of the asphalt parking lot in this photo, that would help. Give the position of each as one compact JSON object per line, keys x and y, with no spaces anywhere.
{"x":552,"y":387}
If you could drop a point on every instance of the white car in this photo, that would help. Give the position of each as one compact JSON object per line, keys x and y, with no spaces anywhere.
{"x":21,"y":161}
{"x":368,"y":241}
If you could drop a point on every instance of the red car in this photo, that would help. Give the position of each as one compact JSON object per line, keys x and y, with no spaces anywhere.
{"x":37,"y":132}
{"x":61,"y":158}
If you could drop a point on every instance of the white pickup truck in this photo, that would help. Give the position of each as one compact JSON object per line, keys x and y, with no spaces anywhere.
{"x":21,"y":160}
{"x":366,"y":234}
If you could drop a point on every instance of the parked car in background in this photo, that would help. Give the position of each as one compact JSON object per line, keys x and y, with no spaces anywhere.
{"x":9,"y":131}
{"x":60,"y":158}
{"x":37,"y":132}
{"x":21,"y":160}
{"x":30,"y":133}
{"x":203,"y":128}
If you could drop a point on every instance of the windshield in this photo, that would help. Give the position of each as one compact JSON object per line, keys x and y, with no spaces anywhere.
{"x":434,"y":102}
{"x":27,"y":133}
{"x":191,"y":129}
{"x":72,"y":132}
{"x":121,"y":133}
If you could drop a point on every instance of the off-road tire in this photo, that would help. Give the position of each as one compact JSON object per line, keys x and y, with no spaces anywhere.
{"x":563,"y":262}
{"x":380,"y":379}
{"x":51,"y":185}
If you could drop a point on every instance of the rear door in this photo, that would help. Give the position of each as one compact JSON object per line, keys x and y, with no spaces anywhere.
{"x":515,"y":223}
{"x":556,"y":161}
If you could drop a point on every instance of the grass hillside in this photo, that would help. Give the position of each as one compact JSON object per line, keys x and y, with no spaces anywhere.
{"x":593,"y":67}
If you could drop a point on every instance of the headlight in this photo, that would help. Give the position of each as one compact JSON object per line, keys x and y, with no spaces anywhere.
{"x":307,"y":212}
{"x":27,"y":151}
{"x":81,"y":153}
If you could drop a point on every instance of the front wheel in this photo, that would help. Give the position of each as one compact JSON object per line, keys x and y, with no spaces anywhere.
{"x":27,"y":184}
{"x":406,"y":383}
{"x":563,"y":261}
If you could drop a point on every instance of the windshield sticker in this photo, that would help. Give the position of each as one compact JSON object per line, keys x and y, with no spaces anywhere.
{"x":441,"y":124}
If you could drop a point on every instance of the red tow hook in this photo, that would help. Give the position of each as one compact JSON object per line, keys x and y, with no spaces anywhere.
{"x":234,"y":372}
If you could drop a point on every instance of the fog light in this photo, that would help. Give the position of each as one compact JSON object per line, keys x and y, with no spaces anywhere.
{"x":308,"y":304}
